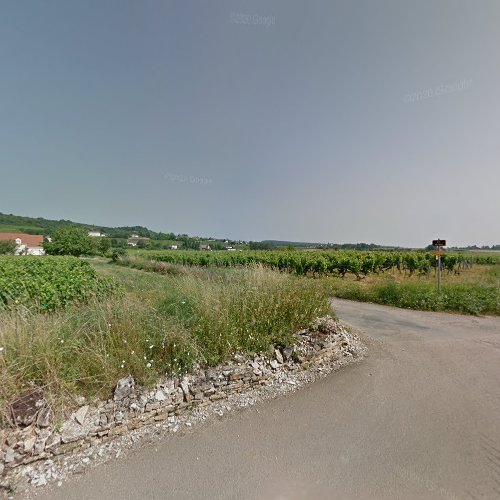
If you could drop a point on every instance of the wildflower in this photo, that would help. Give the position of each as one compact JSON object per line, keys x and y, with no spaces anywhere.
{"x":133,"y":352}
{"x":109,"y":324}
{"x":1,"y":349}
{"x":151,"y":346}
{"x":148,"y":365}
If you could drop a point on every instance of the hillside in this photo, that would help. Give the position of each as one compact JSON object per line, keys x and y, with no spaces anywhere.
{"x":10,"y":223}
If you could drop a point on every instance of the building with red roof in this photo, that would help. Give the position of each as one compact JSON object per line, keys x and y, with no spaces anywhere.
{"x":26,"y":244}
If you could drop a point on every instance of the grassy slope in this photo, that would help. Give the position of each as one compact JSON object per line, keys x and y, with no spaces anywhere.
{"x":16,"y":228}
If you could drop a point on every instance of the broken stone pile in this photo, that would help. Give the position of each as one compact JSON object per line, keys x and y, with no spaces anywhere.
{"x":34,"y":436}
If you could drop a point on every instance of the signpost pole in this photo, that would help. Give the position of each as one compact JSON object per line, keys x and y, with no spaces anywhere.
{"x":439,"y":244}
{"x":439,"y":273}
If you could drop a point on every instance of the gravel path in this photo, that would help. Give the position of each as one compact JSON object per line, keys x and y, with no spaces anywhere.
{"x":419,"y":418}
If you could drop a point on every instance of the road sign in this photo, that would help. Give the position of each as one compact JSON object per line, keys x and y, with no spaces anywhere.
{"x":439,"y":243}
{"x":439,"y":252}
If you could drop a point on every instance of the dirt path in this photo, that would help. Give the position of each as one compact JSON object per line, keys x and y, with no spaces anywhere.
{"x":419,"y":418}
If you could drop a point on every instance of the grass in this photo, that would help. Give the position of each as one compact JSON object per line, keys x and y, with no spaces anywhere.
{"x":161,"y":325}
{"x":475,"y":291}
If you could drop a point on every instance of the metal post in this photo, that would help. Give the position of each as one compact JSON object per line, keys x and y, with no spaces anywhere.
{"x":439,"y":273}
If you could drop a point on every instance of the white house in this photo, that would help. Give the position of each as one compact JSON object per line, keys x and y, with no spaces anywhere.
{"x":26,"y":244}
{"x":96,"y":234}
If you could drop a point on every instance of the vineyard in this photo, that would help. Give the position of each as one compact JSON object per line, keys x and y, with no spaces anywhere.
{"x":340,"y":263}
{"x":48,"y":283}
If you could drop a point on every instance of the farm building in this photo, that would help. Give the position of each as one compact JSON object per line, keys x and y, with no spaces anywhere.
{"x":26,"y":244}
{"x":134,"y":242}
{"x":96,"y":234}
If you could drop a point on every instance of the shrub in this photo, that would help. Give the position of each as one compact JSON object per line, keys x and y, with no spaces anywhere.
{"x":47,"y":283}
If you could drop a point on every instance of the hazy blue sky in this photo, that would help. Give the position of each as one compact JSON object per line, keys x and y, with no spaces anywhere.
{"x":344,"y":121}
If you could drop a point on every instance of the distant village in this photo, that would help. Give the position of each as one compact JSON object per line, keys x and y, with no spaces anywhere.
{"x":32,"y":244}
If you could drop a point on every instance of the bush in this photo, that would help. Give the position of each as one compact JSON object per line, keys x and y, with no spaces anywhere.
{"x":47,"y":283}
{"x":115,"y":254}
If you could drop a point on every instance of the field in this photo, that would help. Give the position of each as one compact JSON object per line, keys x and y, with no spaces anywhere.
{"x":317,"y":262}
{"x":160,"y":324}
{"x":471,"y":283}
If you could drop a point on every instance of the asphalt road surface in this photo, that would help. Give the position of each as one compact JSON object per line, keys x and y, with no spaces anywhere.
{"x":419,"y":418}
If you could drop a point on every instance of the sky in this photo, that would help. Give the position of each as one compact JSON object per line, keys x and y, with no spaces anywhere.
{"x":322,"y":121}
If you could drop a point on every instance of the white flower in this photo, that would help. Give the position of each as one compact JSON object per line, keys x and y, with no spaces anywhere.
{"x":133,"y":352}
{"x":148,"y":365}
{"x":109,"y":324}
{"x":1,"y":349}
{"x":183,"y":302}
{"x":151,"y":346}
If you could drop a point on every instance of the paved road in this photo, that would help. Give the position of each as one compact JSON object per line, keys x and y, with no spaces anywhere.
{"x":419,"y":418}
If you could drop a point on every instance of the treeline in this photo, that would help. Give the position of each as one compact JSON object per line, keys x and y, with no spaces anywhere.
{"x":356,"y":246}
{"x":475,"y":247}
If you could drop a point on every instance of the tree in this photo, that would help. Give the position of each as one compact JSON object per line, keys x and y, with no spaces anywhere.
{"x":7,"y":247}
{"x":190,"y":243}
{"x":217,"y":245}
{"x":260,"y":245}
{"x":70,"y":240}
{"x":104,"y":245}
